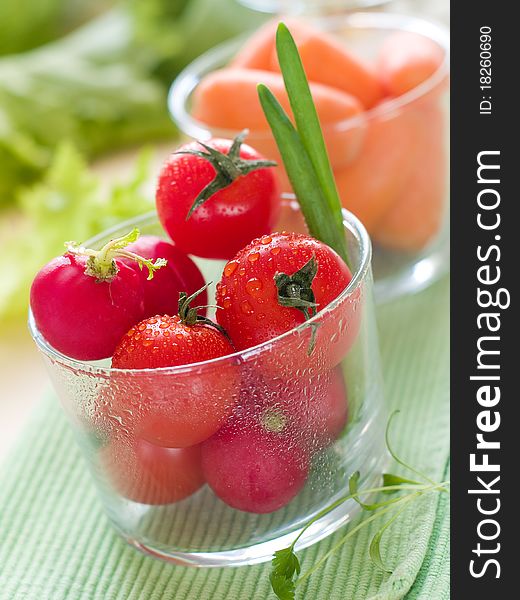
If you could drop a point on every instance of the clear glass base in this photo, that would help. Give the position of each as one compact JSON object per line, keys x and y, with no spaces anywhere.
{"x":263,"y":551}
{"x":396,"y":274}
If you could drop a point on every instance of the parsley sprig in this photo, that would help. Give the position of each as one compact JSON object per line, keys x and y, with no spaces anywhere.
{"x":286,"y":575}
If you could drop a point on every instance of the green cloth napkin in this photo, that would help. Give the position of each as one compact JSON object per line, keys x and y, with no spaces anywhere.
{"x":55,"y":542}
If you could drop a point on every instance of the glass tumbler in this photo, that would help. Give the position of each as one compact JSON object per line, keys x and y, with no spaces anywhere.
{"x":304,"y":410}
{"x":390,"y":162}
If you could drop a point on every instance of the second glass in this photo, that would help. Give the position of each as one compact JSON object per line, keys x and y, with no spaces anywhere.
{"x":390,"y":162}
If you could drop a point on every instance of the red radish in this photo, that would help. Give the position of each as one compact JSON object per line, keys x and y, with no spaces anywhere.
{"x":275,"y":283}
{"x":85,"y":300}
{"x":181,"y":274}
{"x":214,"y":198}
{"x":189,"y":411}
{"x":255,"y":465}
{"x":150,"y":474}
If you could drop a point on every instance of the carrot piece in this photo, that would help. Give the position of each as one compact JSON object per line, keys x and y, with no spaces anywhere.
{"x":327,"y":60}
{"x":416,"y":217}
{"x":227,"y":99}
{"x":406,"y":60}
{"x":257,"y":51}
{"x":372,"y":182}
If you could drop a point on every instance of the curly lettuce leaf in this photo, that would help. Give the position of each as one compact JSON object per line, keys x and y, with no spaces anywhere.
{"x":69,"y":203}
{"x":86,"y":88}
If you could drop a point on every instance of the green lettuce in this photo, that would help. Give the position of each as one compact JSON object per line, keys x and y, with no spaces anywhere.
{"x":80,"y":88}
{"x":69,"y":203}
{"x":103,"y":86}
{"x":25,"y":24}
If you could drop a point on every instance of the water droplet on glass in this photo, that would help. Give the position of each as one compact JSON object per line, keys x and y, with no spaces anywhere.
{"x":253,"y":257}
{"x":274,"y":251}
{"x":226,"y":303}
{"x":266,"y":239}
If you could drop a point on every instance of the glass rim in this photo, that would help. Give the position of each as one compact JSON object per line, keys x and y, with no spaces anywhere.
{"x":187,"y":80}
{"x":271,"y":6}
{"x":350,"y":222}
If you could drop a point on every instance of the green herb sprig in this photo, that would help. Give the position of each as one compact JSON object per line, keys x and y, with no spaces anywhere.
{"x":286,"y":576}
{"x":303,"y":149}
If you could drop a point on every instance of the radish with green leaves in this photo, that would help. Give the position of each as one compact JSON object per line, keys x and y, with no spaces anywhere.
{"x":84,"y":301}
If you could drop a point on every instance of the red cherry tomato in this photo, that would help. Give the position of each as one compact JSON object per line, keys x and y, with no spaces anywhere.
{"x":149,"y":474}
{"x":251,"y":310}
{"x":228,"y":219}
{"x":328,"y":411}
{"x":174,"y":411}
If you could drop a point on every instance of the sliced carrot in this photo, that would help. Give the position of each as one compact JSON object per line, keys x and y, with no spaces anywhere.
{"x":257,"y":51}
{"x":327,"y":60}
{"x":371,"y":183}
{"x":406,"y":60}
{"x":228,"y":99}
{"x":416,"y":217}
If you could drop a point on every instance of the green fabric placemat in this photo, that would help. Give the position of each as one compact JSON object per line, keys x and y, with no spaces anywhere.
{"x":55,"y":542}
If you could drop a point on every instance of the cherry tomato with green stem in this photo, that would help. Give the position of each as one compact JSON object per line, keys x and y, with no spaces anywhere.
{"x":175,"y":410}
{"x":276,"y":283}
{"x":213,"y":198}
